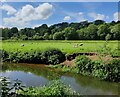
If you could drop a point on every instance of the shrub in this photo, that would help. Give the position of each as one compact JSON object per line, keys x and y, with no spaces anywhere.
{"x":9,"y":89}
{"x":107,"y":71}
{"x":84,"y":64}
{"x":54,"y":88}
{"x":52,"y":56}
{"x":103,"y":70}
{"x":112,"y":69}
{"x":3,"y":55}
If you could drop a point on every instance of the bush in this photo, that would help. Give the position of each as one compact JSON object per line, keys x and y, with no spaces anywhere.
{"x":113,"y":70}
{"x":54,"y":88}
{"x":103,"y":70}
{"x":84,"y":64}
{"x":107,"y":71}
{"x":3,"y":55}
{"x":52,"y":56}
{"x":9,"y":89}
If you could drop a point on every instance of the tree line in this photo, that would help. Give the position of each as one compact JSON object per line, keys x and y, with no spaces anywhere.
{"x":96,"y":30}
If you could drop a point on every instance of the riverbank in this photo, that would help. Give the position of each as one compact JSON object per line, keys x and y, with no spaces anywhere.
{"x":38,"y":75}
{"x":17,"y":89}
{"x":107,"y":70}
{"x":103,"y":68}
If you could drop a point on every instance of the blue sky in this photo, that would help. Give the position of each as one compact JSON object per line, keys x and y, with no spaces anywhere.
{"x":31,"y":14}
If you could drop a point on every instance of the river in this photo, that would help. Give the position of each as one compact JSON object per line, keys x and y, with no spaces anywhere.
{"x":39,"y":75}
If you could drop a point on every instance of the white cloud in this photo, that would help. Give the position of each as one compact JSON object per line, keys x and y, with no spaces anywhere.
{"x":2,"y":0}
{"x":96,"y":16}
{"x":10,"y":10}
{"x":67,"y":18}
{"x":29,"y":13}
{"x":2,"y":26}
{"x":78,"y":16}
{"x":116,"y":16}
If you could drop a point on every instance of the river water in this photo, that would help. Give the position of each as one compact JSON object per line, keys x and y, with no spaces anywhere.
{"x":39,"y":75}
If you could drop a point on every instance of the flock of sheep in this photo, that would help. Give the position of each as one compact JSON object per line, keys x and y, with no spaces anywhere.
{"x":76,"y":45}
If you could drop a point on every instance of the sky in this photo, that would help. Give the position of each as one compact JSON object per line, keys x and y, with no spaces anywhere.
{"x":34,"y":14}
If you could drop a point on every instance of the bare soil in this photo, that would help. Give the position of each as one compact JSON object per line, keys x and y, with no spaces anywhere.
{"x":92,"y":56}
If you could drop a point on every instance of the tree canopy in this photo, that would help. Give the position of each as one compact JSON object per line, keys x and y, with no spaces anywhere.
{"x":96,"y":30}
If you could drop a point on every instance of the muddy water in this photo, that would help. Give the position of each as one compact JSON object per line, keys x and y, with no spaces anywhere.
{"x":39,"y":75}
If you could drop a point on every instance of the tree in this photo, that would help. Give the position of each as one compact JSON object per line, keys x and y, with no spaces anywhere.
{"x":70,"y":34}
{"x":108,"y":36}
{"x":14,"y":30}
{"x":103,"y":30}
{"x":46,"y":36}
{"x":58,"y":36}
{"x":36,"y":36}
{"x":42,"y":30}
{"x":115,"y":31}
{"x":6,"y":33}
{"x":84,"y":24}
{"x":24,"y":37}
{"x":91,"y":32}
{"x":98,"y":22}
{"x":81,"y":33}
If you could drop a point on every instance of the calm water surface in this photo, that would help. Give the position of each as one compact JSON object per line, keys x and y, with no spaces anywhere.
{"x":39,"y":75}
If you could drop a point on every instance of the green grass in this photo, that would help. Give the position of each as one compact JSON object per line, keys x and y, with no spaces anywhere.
{"x":64,"y":46}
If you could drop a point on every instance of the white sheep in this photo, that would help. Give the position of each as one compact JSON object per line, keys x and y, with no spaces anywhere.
{"x":22,"y":45}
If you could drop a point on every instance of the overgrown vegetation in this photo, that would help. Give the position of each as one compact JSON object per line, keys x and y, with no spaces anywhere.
{"x":54,"y":88}
{"x":96,"y":30}
{"x":8,"y":88}
{"x":103,"y":70}
{"x":49,"y":56}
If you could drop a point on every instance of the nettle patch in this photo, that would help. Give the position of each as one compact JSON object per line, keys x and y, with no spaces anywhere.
{"x":48,"y":56}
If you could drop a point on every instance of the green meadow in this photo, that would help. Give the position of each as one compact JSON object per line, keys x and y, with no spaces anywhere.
{"x":68,"y":47}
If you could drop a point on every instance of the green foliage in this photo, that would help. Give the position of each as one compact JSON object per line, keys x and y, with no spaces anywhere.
{"x":84,"y":64}
{"x":58,"y":36}
{"x":9,"y":89}
{"x":103,"y":70}
{"x":24,"y":37}
{"x":3,"y":55}
{"x":16,"y":89}
{"x":70,"y":33}
{"x":103,"y":30}
{"x":50,"y":56}
{"x":54,"y":88}
{"x":4,"y":86}
{"x":91,"y":32}
{"x":115,"y":31}
{"x":98,"y":22}
{"x":96,"y":30}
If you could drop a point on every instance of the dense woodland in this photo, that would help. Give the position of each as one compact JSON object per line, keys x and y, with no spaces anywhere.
{"x":96,"y":30}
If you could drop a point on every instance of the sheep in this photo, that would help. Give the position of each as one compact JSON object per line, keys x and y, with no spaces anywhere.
{"x":22,"y":45}
{"x":81,"y":44}
{"x":75,"y":45}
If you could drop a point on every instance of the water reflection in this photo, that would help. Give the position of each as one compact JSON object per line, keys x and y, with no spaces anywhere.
{"x":39,"y":75}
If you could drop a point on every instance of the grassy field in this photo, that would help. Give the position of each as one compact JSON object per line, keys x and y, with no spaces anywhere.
{"x":64,"y":46}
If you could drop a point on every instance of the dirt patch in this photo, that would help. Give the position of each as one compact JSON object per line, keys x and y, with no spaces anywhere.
{"x":104,"y":58}
{"x":72,"y":56}
{"x":93,"y":56}
{"x":68,"y":63}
